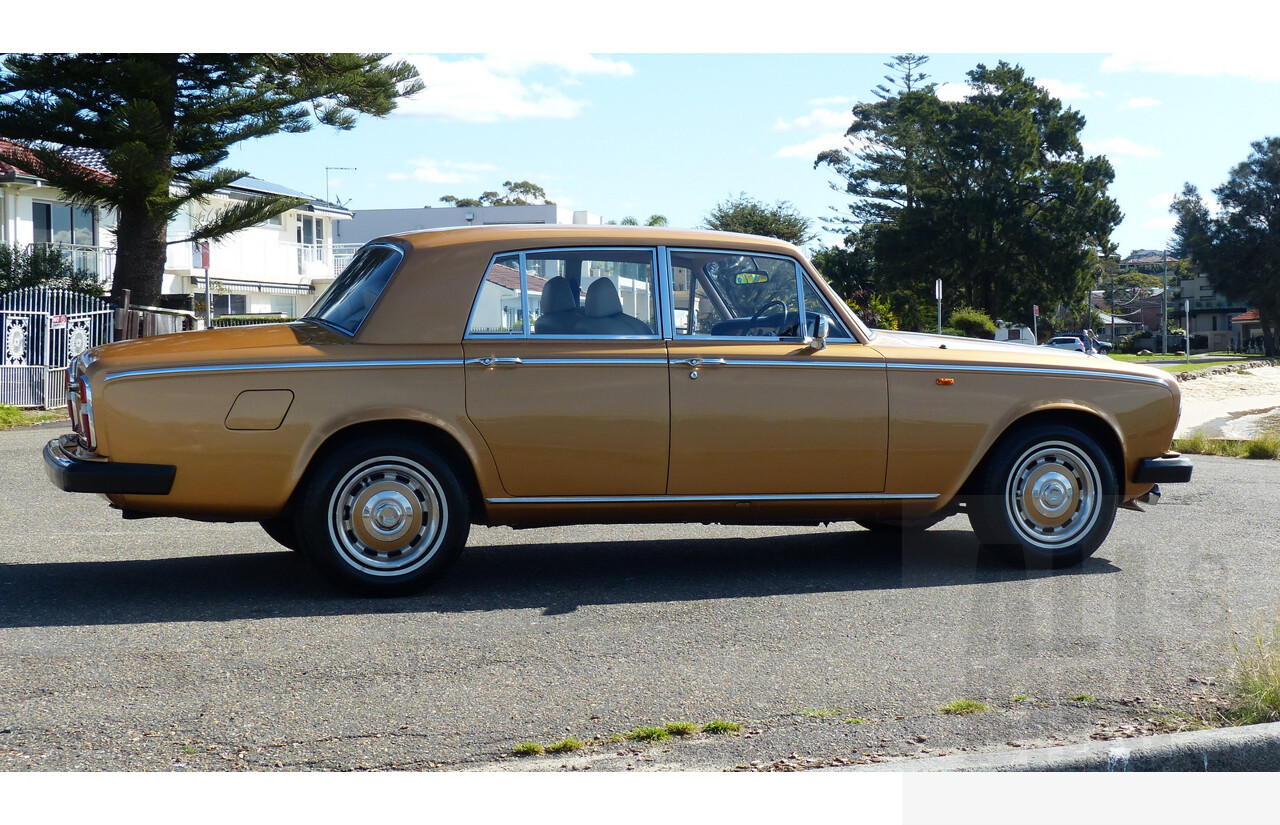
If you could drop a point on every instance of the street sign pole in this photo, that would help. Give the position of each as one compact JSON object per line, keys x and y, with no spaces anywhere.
{"x":937,"y":293}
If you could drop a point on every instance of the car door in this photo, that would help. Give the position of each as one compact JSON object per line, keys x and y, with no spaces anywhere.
{"x":755,"y":411}
{"x":566,"y":373}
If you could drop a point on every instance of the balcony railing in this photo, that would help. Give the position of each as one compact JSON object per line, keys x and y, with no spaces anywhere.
{"x":98,"y":261}
{"x":342,"y":255}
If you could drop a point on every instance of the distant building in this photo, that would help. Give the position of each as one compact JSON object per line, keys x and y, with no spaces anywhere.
{"x":1211,"y":315}
{"x":367,"y":224}
{"x":278,"y":266}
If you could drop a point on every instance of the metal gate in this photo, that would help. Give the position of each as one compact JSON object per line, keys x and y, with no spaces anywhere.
{"x":43,"y":330}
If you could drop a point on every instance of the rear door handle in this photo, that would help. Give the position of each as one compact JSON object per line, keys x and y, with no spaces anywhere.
{"x":490,"y":361}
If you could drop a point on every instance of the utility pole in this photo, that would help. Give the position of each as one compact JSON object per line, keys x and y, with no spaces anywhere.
{"x":1164,"y":304}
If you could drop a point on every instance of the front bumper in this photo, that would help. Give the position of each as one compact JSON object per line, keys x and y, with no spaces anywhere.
{"x":1167,"y":469}
{"x":74,"y":474}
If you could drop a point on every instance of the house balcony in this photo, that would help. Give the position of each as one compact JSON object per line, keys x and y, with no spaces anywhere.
{"x":342,"y":255}
{"x":98,"y":261}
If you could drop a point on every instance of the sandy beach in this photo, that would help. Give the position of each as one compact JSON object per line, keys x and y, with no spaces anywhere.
{"x":1229,"y":405}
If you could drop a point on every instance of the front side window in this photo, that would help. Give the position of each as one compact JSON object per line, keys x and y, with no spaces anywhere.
{"x":732,"y":294}
{"x":568,"y":292}
{"x":348,"y":301}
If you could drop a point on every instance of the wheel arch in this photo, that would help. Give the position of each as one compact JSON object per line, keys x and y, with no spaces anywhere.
{"x":433,"y":437}
{"x":1086,"y":421}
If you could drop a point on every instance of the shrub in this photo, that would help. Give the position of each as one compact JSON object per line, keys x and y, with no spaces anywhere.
{"x":974,"y":323}
{"x":43,"y":266}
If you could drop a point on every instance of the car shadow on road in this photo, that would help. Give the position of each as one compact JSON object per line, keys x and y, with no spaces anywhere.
{"x":556,"y":578}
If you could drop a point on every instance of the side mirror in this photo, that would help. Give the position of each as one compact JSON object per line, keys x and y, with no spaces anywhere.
{"x":820,"y":330}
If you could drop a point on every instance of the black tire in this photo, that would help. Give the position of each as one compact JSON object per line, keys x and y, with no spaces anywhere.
{"x":1046,"y":497}
{"x":284,"y":530}
{"x":384,"y":517}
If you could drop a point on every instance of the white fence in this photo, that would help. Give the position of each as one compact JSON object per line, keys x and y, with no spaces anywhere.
{"x":43,"y":330}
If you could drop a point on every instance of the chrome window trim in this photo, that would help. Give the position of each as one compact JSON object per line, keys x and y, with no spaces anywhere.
{"x":526,"y":333}
{"x":669,"y":292}
{"x":665,"y":499}
{"x":302,"y":365}
{"x":475,"y":300}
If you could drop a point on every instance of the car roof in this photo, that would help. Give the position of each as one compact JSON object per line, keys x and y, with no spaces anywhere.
{"x":596,"y":235}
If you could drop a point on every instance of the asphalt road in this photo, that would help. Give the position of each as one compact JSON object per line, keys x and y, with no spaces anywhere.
{"x":171,"y":645}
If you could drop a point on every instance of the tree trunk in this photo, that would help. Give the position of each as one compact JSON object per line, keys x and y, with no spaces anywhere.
{"x":140,"y":256}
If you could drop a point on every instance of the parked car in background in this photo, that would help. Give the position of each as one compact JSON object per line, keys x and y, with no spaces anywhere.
{"x":1077,"y":343}
{"x":526,"y":376}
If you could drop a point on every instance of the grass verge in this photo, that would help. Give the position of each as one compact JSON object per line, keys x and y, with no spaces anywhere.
{"x":1197,"y":443}
{"x":1255,"y":679}
{"x":11,"y":417}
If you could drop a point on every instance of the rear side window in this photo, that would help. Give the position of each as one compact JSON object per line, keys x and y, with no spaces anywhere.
{"x":346,"y":304}
{"x":568,"y":292}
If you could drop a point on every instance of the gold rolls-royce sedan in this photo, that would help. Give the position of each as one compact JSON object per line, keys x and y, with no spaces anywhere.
{"x":544,"y":375}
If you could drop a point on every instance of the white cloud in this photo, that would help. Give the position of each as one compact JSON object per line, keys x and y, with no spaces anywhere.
{"x":817,"y":119}
{"x":1255,"y":64}
{"x":502,"y":87}
{"x":954,"y":92}
{"x":1161,"y":201}
{"x":1121,"y":149}
{"x":810,"y":148}
{"x":426,"y":170}
{"x":1165,"y":223}
{"x":1140,"y":103}
{"x":1063,"y":90}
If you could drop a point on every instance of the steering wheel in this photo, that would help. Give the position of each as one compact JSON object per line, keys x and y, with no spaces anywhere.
{"x":759,"y":312}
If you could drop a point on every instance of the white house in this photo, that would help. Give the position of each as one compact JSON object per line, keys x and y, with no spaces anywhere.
{"x":278,"y":266}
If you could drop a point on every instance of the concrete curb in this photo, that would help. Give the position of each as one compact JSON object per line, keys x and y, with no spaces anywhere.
{"x":1247,"y":748}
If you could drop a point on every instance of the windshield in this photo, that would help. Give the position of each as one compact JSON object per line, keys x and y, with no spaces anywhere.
{"x":347,"y":302}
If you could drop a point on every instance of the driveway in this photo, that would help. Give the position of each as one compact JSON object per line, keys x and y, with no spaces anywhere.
{"x":170,"y":645}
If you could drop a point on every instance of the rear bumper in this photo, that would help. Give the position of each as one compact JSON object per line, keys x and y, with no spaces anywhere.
{"x":1167,"y":469}
{"x":74,"y":474}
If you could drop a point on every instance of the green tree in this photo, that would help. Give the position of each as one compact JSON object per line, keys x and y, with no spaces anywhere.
{"x":993,"y":194}
{"x":630,"y":220}
{"x":1239,"y":248}
{"x":162,"y":124}
{"x":517,"y":193}
{"x":745,"y":214}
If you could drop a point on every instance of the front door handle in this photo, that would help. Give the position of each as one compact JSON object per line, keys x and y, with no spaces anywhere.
{"x":490,"y":361}
{"x":702,"y":362}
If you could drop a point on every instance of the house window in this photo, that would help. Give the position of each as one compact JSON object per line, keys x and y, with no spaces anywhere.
{"x":56,"y":223}
{"x":228,"y":305}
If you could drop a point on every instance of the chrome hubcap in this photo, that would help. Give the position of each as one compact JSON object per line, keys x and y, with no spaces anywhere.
{"x":1053,"y":494}
{"x":387,"y":516}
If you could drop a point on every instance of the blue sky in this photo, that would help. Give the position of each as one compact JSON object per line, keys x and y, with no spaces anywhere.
{"x":672,"y":106}
{"x":637,"y":134}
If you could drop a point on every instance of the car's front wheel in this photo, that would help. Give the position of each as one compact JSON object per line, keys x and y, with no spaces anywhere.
{"x":1046,"y":497}
{"x":384,"y":517}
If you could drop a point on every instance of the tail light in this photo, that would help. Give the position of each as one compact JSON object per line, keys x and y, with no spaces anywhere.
{"x":80,"y":408}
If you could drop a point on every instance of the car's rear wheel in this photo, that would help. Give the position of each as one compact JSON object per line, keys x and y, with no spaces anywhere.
{"x":1046,"y":497}
{"x":384,"y":517}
